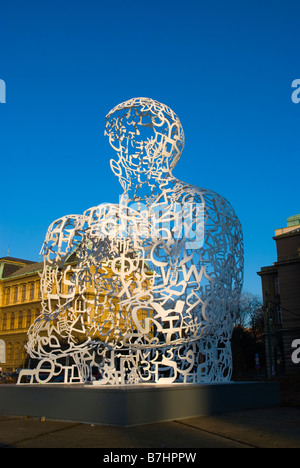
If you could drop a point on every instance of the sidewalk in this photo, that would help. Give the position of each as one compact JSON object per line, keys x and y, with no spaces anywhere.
{"x":273,"y":427}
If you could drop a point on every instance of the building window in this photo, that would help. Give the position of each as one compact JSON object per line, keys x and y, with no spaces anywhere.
{"x":276,"y":284}
{"x":9,"y":351}
{"x":79,"y":305}
{"x":7,"y":296}
{"x":28,"y":322}
{"x":16,"y":294}
{"x":12,"y":321}
{"x":20,"y":320}
{"x":24,"y":293}
{"x":17,"y":351}
{"x":4,"y":322}
{"x":31,"y":291}
{"x":279,"y":315}
{"x":2,"y":351}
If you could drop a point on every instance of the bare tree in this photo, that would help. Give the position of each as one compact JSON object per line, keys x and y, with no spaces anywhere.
{"x":250,"y":312}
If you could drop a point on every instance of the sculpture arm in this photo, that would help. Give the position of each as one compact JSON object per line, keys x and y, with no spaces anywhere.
{"x":62,"y":238}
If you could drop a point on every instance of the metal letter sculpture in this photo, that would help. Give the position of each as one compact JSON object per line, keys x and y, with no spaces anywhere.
{"x":144,"y":291}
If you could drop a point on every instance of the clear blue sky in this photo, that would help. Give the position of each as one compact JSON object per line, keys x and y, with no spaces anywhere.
{"x":225,"y":68}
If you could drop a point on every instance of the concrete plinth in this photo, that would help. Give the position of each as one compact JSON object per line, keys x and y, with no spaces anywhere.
{"x":136,"y":404}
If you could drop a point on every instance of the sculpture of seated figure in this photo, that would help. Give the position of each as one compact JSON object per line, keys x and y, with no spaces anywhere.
{"x":157,"y":277}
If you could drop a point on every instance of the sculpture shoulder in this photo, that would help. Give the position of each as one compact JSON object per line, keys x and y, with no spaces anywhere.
{"x":65,"y":222}
{"x":212,"y":201}
{"x":96,"y":213}
{"x":78,"y":221}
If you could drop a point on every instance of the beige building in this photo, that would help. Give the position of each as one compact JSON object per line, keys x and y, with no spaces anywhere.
{"x":20,"y":304}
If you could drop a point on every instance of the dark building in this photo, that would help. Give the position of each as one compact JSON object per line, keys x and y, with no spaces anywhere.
{"x":281,"y":297}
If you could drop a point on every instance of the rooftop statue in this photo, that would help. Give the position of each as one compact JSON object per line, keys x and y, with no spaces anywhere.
{"x":144,"y":291}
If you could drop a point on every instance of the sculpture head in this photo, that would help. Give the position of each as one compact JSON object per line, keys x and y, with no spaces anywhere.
{"x":147,"y":136}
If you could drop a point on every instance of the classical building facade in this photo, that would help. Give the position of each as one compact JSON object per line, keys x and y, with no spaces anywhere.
{"x":281,"y":297}
{"x":20,"y":304}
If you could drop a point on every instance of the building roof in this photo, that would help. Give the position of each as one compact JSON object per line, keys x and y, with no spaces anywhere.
{"x":28,"y":269}
{"x":288,"y":231}
{"x":15,"y":260}
{"x":9,"y":265}
{"x":293,"y":220}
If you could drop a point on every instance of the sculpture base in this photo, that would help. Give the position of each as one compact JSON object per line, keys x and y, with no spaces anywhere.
{"x":133,"y":405}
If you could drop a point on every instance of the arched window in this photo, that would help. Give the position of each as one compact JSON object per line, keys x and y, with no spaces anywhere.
{"x":16,"y":351}
{"x":7,"y":296}
{"x":2,"y":352}
{"x":20,"y":320}
{"x":9,"y":351}
{"x":28,"y":319}
{"x":16,"y":294}
{"x":4,"y":322}
{"x":12,"y":321}
{"x":24,"y":293}
{"x":31,"y":291}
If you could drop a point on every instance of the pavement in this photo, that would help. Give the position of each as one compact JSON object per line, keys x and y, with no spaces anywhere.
{"x":272,"y":427}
